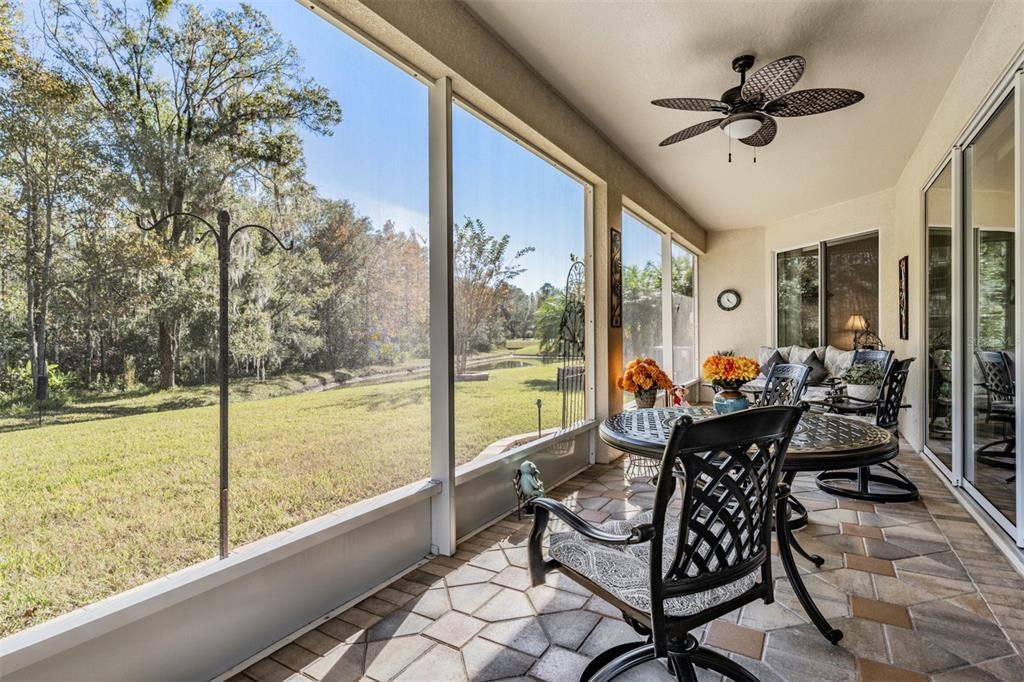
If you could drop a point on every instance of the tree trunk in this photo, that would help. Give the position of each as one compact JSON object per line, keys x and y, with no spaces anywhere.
{"x":168,"y":351}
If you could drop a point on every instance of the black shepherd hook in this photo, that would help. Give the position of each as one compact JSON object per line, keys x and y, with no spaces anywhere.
{"x":223,"y":235}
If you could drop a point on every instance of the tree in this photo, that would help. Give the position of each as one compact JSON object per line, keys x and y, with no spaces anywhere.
{"x":189,"y":110}
{"x":48,"y":158}
{"x":483,"y":271}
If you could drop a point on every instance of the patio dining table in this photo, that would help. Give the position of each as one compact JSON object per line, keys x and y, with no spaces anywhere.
{"x":821,"y":442}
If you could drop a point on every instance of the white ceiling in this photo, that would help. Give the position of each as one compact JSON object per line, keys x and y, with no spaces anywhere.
{"x":610,"y":59}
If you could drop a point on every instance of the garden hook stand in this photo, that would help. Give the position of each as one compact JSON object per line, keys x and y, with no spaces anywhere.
{"x":223,"y":235}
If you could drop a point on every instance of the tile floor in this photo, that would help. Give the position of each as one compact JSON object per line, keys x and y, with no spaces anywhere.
{"x":918,"y":588}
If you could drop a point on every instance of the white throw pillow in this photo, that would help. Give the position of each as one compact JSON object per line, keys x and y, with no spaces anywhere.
{"x":837,"y":361}
{"x":802,"y":354}
{"x":763,"y":353}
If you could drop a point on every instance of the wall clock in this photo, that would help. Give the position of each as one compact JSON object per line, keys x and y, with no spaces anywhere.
{"x":729,"y":299}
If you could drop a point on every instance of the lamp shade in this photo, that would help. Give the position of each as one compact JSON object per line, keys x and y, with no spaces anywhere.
{"x":856,"y":323}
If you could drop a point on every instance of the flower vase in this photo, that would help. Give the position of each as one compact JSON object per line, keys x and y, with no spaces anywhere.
{"x":730,"y":399}
{"x":645,"y":397}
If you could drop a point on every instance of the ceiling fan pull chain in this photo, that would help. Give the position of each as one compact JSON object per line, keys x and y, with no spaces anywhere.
{"x":730,"y":150}
{"x":755,"y":154}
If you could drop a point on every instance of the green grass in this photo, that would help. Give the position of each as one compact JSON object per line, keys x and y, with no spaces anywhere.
{"x":92,"y":508}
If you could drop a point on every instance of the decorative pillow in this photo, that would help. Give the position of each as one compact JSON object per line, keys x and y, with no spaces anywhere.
{"x":800,"y":354}
{"x":837,"y":361}
{"x":766,"y":367}
{"x":818,"y":372}
{"x":764,"y":353}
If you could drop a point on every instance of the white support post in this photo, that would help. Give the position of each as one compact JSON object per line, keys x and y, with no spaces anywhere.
{"x":667,"y":331}
{"x":959,"y":322}
{"x":442,"y":330}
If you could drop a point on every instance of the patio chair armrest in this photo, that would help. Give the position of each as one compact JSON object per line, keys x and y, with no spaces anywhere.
{"x":543,"y":507}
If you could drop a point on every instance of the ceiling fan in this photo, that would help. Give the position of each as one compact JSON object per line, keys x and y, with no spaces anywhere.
{"x":749,"y":107}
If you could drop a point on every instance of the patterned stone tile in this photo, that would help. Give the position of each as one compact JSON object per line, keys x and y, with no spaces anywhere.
{"x":918,"y":590}
{"x":607,"y":634}
{"x":440,"y":663}
{"x":505,"y":605}
{"x":558,"y":665}
{"x":486,"y":660}
{"x":343,"y":663}
{"x":736,"y":638}
{"x":522,"y":634}
{"x":454,"y":629}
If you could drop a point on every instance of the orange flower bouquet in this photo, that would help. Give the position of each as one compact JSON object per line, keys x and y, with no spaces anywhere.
{"x":730,"y":371}
{"x":643,"y":378}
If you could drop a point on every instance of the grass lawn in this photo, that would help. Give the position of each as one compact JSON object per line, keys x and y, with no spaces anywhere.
{"x":92,"y":508}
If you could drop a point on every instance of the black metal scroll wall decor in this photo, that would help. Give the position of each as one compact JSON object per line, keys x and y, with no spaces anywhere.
{"x":223,"y":234}
{"x":571,"y":338}
{"x":904,"y":298}
{"x":615,"y":302}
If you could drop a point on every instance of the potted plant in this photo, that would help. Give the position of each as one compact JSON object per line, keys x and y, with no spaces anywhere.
{"x":863,"y":380}
{"x":727,"y":373}
{"x":643,"y":378}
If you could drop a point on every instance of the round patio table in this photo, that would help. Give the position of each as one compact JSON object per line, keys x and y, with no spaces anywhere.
{"x":820,"y":442}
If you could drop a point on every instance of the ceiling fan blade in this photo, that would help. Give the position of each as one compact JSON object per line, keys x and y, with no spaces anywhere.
{"x":691,"y":104}
{"x":813,"y":101}
{"x":692,"y":131}
{"x":773,"y":80}
{"x":763,"y":136}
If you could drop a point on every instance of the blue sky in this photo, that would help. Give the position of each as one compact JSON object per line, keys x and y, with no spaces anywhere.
{"x":377,"y":156}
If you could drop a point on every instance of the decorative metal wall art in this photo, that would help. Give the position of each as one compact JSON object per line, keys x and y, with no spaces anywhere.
{"x":223,"y":235}
{"x":904,"y":298}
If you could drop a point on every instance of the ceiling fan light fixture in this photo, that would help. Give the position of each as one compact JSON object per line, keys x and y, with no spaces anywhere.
{"x":742,"y":126}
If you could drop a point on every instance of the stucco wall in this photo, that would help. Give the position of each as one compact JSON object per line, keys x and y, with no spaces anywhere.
{"x":733,"y":261}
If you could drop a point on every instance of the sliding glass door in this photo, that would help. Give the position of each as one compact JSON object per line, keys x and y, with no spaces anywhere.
{"x":990,"y":259}
{"x":851,"y":286}
{"x":938,"y":205}
{"x":796,"y":289}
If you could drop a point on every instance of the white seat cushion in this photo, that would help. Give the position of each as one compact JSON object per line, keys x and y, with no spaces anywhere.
{"x":624,"y":570}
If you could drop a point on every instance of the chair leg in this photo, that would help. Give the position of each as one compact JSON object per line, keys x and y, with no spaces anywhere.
{"x":1005,"y":458}
{"x":642,"y":653}
{"x":682,"y":665}
{"x":902,"y":488}
{"x":716,"y":662}
{"x":609,"y":655}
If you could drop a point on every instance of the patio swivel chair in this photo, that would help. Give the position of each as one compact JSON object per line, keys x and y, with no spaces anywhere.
{"x":883,"y":358}
{"x":784,"y":386}
{"x":891,"y":485}
{"x":691,"y":559}
{"x":998,"y":383}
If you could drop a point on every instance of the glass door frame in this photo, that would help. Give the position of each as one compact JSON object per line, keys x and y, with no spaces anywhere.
{"x":1011,"y":85}
{"x":953,"y":162}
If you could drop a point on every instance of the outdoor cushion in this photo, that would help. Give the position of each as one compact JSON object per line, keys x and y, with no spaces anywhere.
{"x":624,"y":570}
{"x":754,"y":388}
{"x":766,"y":366}
{"x":837,"y":361}
{"x":818,"y":372}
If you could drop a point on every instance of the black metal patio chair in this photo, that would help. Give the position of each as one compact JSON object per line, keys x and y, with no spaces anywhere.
{"x":888,"y":486}
{"x":785,"y":385}
{"x":1001,"y":408}
{"x":689,"y":560}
